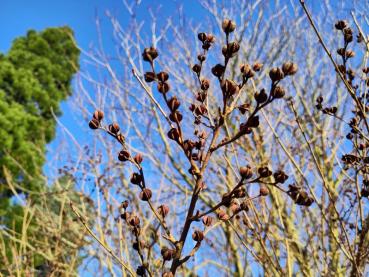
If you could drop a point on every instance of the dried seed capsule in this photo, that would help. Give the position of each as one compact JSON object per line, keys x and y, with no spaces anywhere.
{"x":136,"y":178}
{"x":173,"y":134}
{"x":228,"y":26}
{"x":196,"y":68}
{"x":163,"y":210}
{"x":176,"y":116}
{"x":94,"y":124}
{"x":202,"y":37}
{"x":218,"y":70}
{"x":98,"y":115}
{"x":167,"y":274}
{"x":289,"y":68}
{"x":257,"y":66}
{"x":149,"y":54}
{"x":167,"y":253}
{"x":163,"y":76}
{"x":207,"y":220}
{"x":205,"y":84}
{"x":264,"y":172}
{"x":201,"y":58}
{"x":278,"y":92}
{"x":340,"y":25}
{"x":149,"y":77}
{"x":263,"y":191}
{"x":253,"y":122}
{"x":145,"y":194}
{"x":124,"y":156}
{"x":230,"y":87}
{"x":114,"y":128}
{"x":246,"y":172}
{"x":246,"y":71}
{"x":173,"y":103}
{"x":222,"y":215}
{"x":198,"y":236}
{"x":280,"y":177}
{"x":141,"y":271}
{"x":163,"y":87}
{"x":261,"y":97}
{"x":138,"y":158}
{"x":276,"y":74}
{"x":134,"y":221}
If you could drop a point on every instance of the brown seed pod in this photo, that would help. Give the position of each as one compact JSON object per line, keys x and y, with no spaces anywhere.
{"x":196,"y":68}
{"x":340,"y":25}
{"x":136,"y":246}
{"x":94,"y":124}
{"x":167,"y":274}
{"x":134,"y":221}
{"x":350,"y":54}
{"x":149,"y":77}
{"x":149,"y":54}
{"x":228,"y":26}
{"x":276,"y":74}
{"x":278,"y":92}
{"x":138,"y":158}
{"x":289,"y":68}
{"x":201,"y":58}
{"x":261,"y":97}
{"x":218,"y":70}
{"x":263,"y":191}
{"x":163,"y":87}
{"x":207,"y":220}
{"x":124,"y":155}
{"x":253,"y":122}
{"x":114,"y":128}
{"x":205,"y":84}
{"x":163,"y":210}
{"x":246,"y":71}
{"x":280,"y":176}
{"x":173,"y":103}
{"x":136,"y":178}
{"x":264,"y":172}
{"x":141,"y":271}
{"x":222,"y":215}
{"x":257,"y":66}
{"x":145,"y":194}
{"x":163,"y":76}
{"x":202,"y":37}
{"x":167,"y":253}
{"x":230,"y":87}
{"x":341,"y":52}
{"x":176,"y":116}
{"x":240,"y":192}
{"x":173,"y":134}
{"x":98,"y":115}
{"x":246,"y":172}
{"x":198,"y":236}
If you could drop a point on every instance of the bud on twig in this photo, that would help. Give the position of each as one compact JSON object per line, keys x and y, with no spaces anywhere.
{"x":228,"y":26}
{"x":145,"y":194}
